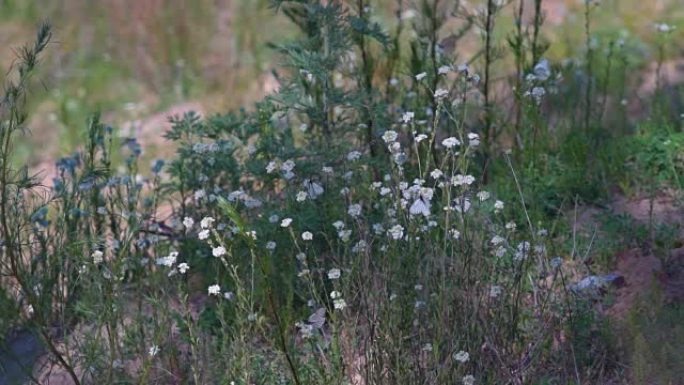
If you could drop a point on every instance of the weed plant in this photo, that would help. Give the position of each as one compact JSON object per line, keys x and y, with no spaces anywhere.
{"x":375,"y":221}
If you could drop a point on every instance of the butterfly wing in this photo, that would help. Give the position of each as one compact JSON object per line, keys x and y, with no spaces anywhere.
{"x":317,"y":188}
{"x":419,"y":207}
{"x":317,"y":319}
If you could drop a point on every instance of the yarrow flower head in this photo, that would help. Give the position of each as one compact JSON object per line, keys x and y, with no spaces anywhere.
{"x":443,"y":70}
{"x":188,"y":222}
{"x":450,"y":142}
{"x":286,"y":222}
{"x":462,"y":356}
{"x":396,"y":232}
{"x":441,"y":93}
{"x":344,"y":235}
{"x":339,"y":304}
{"x":483,"y":195}
{"x":664,"y":28}
{"x":334,"y":273}
{"x":218,"y":251}
{"x":354,"y":155}
{"x":287,"y":166}
{"x":354,"y":210}
{"x":497,"y":240}
{"x":169,"y":260}
{"x":97,"y":256}
{"x":183,"y":267}
{"x":463,"y":180}
{"x":207,"y":222}
{"x":214,"y":290}
{"x":421,"y":76}
{"x":307,"y":236}
{"x":469,"y":380}
{"x":537,"y":93}
{"x":389,"y":136}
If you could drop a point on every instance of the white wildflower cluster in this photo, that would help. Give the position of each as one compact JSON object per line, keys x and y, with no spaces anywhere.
{"x":462,"y":180}
{"x":440,"y":209}
{"x":441,"y":94}
{"x":419,"y":137}
{"x":334,"y":274}
{"x":205,"y":148}
{"x":97,"y":256}
{"x":407,"y":117}
{"x":169,"y":260}
{"x":536,"y":79}
{"x":391,"y":139}
{"x":450,"y":142}
{"x":338,"y":302}
{"x":240,"y":196}
{"x":218,"y":251}
{"x":664,"y":28}
{"x":396,"y":232}
{"x":469,"y":380}
{"x":285,"y":168}
{"x":214,"y":290}
{"x":461,"y":356}
{"x":353,"y":156}
{"x":354,"y":210}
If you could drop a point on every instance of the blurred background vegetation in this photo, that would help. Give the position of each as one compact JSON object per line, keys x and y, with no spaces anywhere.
{"x":132,"y":59}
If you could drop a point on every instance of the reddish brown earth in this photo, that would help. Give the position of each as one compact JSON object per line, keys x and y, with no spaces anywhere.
{"x":644,"y":271}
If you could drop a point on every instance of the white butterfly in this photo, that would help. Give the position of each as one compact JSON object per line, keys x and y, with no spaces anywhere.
{"x":314,"y":189}
{"x":462,"y":205}
{"x":317,"y":318}
{"x":420,"y":206}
